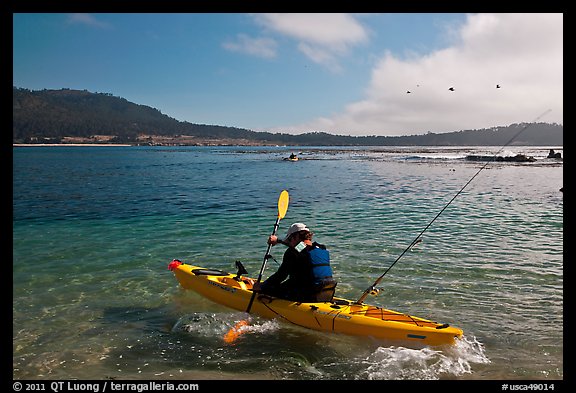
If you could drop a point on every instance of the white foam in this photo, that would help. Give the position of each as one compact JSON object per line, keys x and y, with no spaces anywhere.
{"x":425,"y":363}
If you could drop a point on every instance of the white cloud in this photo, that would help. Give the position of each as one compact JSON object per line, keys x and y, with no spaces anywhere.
{"x":261,"y":47}
{"x":523,"y":53}
{"x":320,"y":56}
{"x":87,"y":19}
{"x":321,"y":37}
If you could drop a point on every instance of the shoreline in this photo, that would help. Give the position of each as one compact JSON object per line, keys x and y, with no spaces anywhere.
{"x":67,"y":144}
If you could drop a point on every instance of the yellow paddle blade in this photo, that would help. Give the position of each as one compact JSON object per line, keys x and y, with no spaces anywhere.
{"x":283,"y":204}
{"x":235,"y":332}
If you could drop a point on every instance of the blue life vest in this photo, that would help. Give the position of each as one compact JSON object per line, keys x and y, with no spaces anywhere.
{"x":320,"y":260}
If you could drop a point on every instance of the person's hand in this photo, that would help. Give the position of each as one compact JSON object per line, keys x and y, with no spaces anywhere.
{"x":257,"y":286}
{"x":273,"y":240}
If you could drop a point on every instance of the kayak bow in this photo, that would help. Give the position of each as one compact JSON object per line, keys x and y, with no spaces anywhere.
{"x":339,"y":315}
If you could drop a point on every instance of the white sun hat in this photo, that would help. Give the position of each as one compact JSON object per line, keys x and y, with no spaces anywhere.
{"x":296,"y":227}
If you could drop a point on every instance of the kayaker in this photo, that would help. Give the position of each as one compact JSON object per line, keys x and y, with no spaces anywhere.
{"x":305,"y":274}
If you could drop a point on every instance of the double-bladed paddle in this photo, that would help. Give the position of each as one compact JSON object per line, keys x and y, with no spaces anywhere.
{"x":282,"y":209}
{"x":236,"y":331}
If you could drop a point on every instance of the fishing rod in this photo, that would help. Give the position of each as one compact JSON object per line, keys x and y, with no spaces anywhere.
{"x":372,"y":288}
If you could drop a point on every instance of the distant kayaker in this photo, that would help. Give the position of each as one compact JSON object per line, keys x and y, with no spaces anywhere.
{"x":305,"y":274}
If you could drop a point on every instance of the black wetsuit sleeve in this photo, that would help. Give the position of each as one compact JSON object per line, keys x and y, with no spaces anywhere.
{"x":283,"y":271}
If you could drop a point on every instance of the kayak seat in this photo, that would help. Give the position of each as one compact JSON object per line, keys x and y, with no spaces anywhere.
{"x":326,"y":291}
{"x":341,"y":302}
{"x":209,"y":272}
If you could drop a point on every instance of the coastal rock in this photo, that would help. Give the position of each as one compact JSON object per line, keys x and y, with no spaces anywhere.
{"x":516,"y":158}
{"x":552,"y":154}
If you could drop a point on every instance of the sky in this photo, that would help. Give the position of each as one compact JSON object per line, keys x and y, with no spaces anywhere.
{"x":345,"y":74}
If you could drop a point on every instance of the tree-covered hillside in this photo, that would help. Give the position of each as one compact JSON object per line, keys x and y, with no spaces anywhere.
{"x":54,"y":115}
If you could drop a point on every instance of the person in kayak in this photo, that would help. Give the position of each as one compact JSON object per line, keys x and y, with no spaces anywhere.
{"x":305,"y":274}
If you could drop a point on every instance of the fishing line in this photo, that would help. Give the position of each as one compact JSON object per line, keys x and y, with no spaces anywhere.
{"x":372,"y":288}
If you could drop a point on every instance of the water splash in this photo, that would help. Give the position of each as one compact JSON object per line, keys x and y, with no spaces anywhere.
{"x":425,"y":363}
{"x":218,"y":325}
{"x":202,"y":324}
{"x":470,"y":350}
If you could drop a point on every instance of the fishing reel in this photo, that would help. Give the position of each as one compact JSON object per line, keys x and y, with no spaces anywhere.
{"x":374,"y":291}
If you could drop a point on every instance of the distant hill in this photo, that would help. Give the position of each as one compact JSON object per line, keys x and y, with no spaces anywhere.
{"x":64,"y":116}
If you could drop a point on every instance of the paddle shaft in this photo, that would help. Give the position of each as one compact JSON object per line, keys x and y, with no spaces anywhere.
{"x":263,"y":264}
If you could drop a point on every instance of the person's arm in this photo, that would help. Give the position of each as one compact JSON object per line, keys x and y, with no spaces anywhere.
{"x":282,"y":273}
{"x":273,"y":240}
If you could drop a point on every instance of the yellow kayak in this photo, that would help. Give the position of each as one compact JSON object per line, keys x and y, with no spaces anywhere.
{"x":338,"y":315}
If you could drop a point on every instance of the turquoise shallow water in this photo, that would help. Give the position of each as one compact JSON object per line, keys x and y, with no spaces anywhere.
{"x":95,"y":227}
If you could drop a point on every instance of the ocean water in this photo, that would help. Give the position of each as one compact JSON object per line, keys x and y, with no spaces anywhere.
{"x":94,"y":229}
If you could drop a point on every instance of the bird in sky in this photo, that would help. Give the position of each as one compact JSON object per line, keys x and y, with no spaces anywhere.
{"x":497,"y":86}
{"x":451,"y":89}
